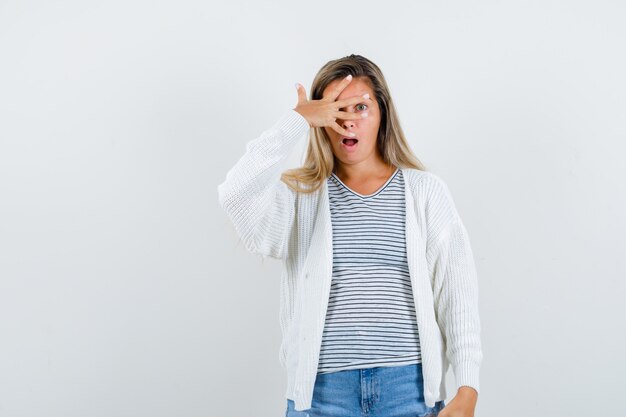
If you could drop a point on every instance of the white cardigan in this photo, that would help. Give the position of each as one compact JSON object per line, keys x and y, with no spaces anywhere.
{"x":274,"y":221}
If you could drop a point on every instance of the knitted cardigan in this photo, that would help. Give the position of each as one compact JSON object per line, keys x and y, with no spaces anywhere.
{"x":274,"y":221}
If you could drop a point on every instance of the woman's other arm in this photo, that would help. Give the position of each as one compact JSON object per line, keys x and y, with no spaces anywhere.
{"x":455,"y":286}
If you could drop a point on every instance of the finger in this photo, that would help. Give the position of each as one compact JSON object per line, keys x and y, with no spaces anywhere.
{"x":339,"y":88}
{"x":301,"y":94}
{"x":343,"y":132}
{"x":346,"y":115}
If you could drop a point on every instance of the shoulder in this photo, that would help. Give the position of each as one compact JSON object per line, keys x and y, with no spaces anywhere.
{"x":432,"y":196}
{"x":426,"y":182}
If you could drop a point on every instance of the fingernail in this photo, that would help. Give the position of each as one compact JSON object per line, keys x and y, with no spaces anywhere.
{"x":297,"y":85}
{"x":349,"y":77}
{"x":366,"y":95}
{"x":363,"y":114}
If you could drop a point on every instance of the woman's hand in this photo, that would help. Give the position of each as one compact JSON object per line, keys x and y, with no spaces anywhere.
{"x":462,"y":405}
{"x":323,"y":112}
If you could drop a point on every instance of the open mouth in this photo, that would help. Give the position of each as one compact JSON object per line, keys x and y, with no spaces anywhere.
{"x":349,"y":142}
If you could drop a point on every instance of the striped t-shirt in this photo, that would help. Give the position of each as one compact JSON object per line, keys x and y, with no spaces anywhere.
{"x":370,"y":319}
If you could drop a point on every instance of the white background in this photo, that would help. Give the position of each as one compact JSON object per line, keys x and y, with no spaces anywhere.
{"x":123,"y":288}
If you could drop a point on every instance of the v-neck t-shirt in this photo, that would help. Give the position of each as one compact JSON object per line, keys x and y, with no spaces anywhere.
{"x":370,"y":320}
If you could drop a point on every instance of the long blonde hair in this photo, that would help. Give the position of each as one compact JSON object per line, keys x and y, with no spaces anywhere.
{"x":391,"y":142}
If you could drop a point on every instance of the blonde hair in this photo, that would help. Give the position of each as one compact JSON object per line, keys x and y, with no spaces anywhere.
{"x":391,"y":142}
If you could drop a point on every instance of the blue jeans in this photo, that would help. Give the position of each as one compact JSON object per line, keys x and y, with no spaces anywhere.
{"x":386,"y":391}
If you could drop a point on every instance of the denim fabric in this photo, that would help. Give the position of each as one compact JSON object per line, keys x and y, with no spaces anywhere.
{"x":387,"y":391}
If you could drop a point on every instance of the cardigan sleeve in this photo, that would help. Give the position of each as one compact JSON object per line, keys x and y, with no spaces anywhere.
{"x":258,"y":203}
{"x":455,"y":287}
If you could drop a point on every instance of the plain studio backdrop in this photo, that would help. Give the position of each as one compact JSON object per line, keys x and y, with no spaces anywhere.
{"x":124,"y":290}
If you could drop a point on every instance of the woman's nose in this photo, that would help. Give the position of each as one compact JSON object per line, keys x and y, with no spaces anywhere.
{"x":347,"y":123}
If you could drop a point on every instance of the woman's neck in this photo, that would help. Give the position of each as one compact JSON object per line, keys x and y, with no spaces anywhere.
{"x":362,"y":171}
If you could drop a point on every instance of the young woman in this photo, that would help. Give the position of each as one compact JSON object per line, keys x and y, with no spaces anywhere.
{"x":379,"y":292}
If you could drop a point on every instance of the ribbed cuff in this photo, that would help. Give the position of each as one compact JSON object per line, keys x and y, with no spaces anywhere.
{"x":467,"y":373}
{"x":292,"y":124}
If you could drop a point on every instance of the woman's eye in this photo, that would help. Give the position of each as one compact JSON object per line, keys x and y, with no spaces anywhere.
{"x":362,"y":105}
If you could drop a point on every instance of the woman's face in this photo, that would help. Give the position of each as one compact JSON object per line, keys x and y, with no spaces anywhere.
{"x":366,"y":129}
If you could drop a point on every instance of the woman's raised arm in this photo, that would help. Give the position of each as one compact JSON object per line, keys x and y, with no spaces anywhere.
{"x":260,"y":205}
